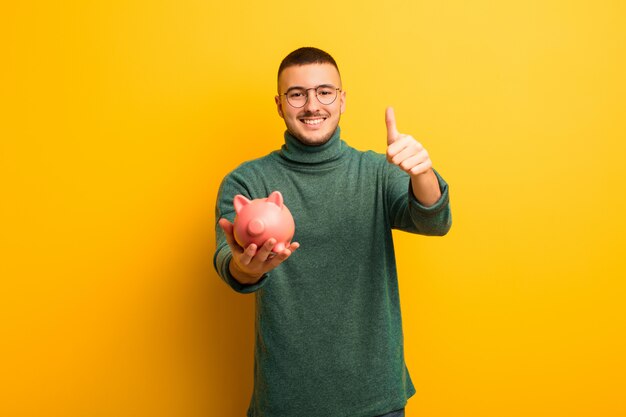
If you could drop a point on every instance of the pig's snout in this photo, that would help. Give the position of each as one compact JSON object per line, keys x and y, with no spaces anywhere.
{"x":256,"y":227}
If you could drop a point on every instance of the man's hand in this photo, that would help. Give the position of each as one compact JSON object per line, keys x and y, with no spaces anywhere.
{"x":404,"y":150}
{"x":248,"y":265}
{"x":407,"y":153}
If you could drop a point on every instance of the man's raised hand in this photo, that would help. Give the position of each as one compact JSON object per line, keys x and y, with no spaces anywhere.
{"x":403,"y":150}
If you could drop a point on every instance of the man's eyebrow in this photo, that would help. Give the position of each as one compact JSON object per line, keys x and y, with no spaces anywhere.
{"x":302,"y":88}
{"x":293,"y":88}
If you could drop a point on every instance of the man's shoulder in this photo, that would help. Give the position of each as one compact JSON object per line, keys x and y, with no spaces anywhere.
{"x":254,"y":165}
{"x":248,"y":178}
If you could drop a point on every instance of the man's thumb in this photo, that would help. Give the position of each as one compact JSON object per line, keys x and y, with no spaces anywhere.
{"x":226,"y":226}
{"x":392,"y":131}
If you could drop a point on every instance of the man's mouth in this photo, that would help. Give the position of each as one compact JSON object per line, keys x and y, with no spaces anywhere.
{"x":312,"y":122}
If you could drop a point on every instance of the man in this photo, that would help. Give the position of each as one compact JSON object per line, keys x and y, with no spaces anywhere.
{"x":328,"y":326}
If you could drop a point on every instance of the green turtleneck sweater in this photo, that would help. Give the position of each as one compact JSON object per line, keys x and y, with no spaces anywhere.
{"x":328,"y":326}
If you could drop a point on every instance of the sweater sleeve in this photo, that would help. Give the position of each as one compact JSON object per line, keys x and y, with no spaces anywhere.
{"x":231,"y":186}
{"x":408,"y":214}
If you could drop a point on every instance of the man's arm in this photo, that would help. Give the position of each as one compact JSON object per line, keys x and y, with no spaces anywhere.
{"x":426,"y":210}
{"x":243,"y":269}
{"x":407,"y":153}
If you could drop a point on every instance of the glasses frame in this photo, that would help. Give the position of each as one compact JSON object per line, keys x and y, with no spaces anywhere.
{"x":306,"y":95}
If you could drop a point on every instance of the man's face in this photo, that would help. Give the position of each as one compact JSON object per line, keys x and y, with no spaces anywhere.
{"x":314,"y":123}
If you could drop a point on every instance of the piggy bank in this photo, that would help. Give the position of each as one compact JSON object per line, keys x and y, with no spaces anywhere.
{"x":261,"y":219}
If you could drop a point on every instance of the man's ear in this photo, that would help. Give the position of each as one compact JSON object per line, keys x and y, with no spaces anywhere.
{"x":279,"y":106}
{"x":342,"y":97}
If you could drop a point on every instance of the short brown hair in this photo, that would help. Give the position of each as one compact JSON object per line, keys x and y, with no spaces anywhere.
{"x":306,"y":55}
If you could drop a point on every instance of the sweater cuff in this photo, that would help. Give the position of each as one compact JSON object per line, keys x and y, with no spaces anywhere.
{"x":439,"y":204}
{"x":238,"y":286}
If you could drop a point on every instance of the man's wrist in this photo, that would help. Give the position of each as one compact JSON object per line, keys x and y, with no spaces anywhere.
{"x":241,"y":276}
{"x":425,"y":187}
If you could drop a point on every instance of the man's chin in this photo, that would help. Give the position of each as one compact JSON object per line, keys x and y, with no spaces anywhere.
{"x":313,"y":140}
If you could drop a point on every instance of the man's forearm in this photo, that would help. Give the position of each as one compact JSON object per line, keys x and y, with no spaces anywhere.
{"x":426,"y":188}
{"x":240,"y":276}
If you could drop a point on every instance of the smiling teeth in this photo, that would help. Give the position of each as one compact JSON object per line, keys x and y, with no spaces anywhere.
{"x":313,"y":122}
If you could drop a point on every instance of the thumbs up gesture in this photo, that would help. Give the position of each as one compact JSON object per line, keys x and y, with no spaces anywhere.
{"x":404,"y":150}
{"x":410,"y":156}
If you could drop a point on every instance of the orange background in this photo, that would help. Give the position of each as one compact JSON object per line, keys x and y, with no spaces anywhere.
{"x":120,"y":119}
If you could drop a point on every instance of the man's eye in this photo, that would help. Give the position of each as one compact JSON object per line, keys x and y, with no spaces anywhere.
{"x":325,"y":92}
{"x":296,"y":94}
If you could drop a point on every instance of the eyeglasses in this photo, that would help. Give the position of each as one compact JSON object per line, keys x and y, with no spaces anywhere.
{"x":297,"y":97}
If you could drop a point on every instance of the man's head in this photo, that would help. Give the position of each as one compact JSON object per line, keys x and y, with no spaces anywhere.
{"x":310,"y":98}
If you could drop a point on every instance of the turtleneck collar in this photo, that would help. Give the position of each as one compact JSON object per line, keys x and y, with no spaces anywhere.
{"x":296,"y":151}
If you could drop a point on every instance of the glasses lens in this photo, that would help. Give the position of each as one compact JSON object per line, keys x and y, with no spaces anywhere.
{"x":326,"y":95}
{"x":296,"y":97}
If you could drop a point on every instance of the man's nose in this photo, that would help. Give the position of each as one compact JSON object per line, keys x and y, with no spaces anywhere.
{"x":312,"y":103}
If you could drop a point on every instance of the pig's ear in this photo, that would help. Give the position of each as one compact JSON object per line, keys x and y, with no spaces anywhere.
{"x":277,"y":198}
{"x":240,"y":202}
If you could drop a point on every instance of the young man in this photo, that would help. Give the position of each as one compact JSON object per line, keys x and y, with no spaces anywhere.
{"x":328,"y":326}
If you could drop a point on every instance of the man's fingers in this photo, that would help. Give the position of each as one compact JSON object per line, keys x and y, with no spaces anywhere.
{"x":257,"y":258}
{"x":421,"y":167}
{"x":408,"y":153}
{"x":265,"y":250}
{"x":286,"y":253}
{"x":248,"y":254}
{"x":411,"y":162}
{"x":392,"y":131}
{"x":403,"y":144}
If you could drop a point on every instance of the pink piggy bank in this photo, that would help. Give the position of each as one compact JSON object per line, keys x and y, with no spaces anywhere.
{"x":261,"y":219}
